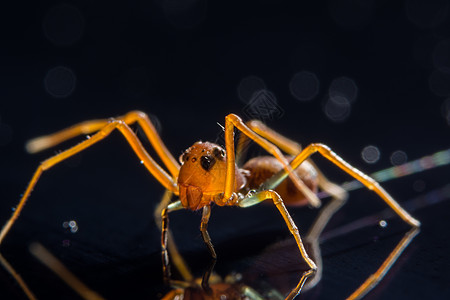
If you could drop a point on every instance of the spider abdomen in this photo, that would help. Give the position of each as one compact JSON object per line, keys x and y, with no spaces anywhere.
{"x":262,"y":168}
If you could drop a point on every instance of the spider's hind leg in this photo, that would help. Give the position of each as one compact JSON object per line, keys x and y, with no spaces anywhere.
{"x":367,"y":181}
{"x":291,"y":148}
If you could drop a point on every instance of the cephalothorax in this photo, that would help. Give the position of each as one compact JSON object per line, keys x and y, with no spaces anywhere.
{"x":209,"y":174}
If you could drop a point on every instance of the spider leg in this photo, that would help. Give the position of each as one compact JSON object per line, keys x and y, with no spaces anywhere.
{"x":165,"y":237}
{"x":367,"y":181}
{"x":376,"y":277}
{"x":312,"y":237}
{"x":256,"y":198}
{"x":177,"y":259}
{"x":233,"y":121}
{"x":132,"y":139}
{"x":91,"y":126}
{"x":17,"y":277}
{"x":55,"y":265}
{"x":371,"y":184}
{"x":293,"y":148}
{"x":203,"y":228}
{"x":206,"y":214}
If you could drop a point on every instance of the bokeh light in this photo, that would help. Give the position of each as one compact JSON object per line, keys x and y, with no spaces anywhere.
{"x":337,"y":108}
{"x":370,"y":154}
{"x":5,"y":134}
{"x":60,"y":82}
{"x":304,"y":86}
{"x":185,"y":14}
{"x":71,"y":225}
{"x":344,"y":87}
{"x":63,"y":24}
{"x":441,"y":56}
{"x":248,"y":86}
{"x":398,"y":157}
{"x":446,"y":110}
{"x":439,"y":83}
{"x":350,"y":14}
{"x":383,"y":223}
{"x":426,"y":14}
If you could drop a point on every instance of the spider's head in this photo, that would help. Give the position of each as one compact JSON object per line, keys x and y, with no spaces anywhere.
{"x":202,"y":174}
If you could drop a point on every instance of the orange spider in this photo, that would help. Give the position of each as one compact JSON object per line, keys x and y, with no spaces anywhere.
{"x":208,"y":174}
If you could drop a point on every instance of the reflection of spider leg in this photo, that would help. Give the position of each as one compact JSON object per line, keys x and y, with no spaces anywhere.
{"x":312,"y":237}
{"x":88,"y":127}
{"x":375,"y":278}
{"x":252,"y":199}
{"x":17,"y":277}
{"x":175,"y":255}
{"x":165,"y":233}
{"x":49,"y":260}
{"x":132,"y":139}
{"x":372,"y":185}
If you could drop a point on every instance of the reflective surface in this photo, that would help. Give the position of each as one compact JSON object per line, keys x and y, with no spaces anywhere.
{"x":119,"y":258}
{"x":373,"y":76}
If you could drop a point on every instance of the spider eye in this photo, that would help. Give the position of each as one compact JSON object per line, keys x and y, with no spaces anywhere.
{"x":219,"y":153}
{"x":183,"y":158}
{"x":207,"y":162}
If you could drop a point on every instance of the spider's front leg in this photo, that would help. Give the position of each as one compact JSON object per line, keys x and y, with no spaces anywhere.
{"x":177,"y":205}
{"x":233,"y":121}
{"x":165,"y":179}
{"x":255,"y":198}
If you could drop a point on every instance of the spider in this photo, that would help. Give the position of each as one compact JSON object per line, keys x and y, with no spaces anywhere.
{"x":208,"y":174}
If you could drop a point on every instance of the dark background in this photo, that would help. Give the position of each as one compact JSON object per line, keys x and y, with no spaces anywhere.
{"x":379,"y":74}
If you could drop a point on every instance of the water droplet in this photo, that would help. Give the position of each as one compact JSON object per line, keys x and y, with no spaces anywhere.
{"x":74,"y":229}
{"x":72,"y":223}
{"x":383,"y":224}
{"x":65,"y":224}
{"x":250,"y":193}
